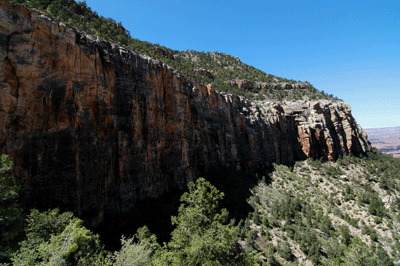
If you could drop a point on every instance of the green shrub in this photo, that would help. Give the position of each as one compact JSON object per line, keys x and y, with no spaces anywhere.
{"x":373,"y":237}
{"x":285,"y":251}
{"x":376,"y":207}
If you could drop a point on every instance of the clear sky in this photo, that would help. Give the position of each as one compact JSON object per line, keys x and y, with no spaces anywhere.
{"x":350,"y":49}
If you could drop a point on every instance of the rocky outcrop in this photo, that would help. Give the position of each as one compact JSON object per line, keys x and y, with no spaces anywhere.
{"x":162,"y":52}
{"x":258,"y":85}
{"x":93,"y":127}
{"x":204,"y":72}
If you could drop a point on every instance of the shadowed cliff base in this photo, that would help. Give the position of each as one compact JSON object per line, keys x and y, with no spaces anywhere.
{"x":156,"y":213}
{"x":236,"y":186}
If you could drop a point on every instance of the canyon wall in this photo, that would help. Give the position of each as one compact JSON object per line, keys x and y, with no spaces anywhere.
{"x":93,"y":127}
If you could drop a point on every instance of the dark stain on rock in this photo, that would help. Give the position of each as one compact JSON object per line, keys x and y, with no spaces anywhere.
{"x":55,"y":91}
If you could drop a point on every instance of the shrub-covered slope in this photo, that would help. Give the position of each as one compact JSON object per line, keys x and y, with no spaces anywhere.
{"x":342,"y":213}
{"x":228,"y":73}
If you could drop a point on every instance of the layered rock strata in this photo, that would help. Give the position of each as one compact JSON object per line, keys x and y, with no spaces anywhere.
{"x":92,"y":126}
{"x":258,"y":85}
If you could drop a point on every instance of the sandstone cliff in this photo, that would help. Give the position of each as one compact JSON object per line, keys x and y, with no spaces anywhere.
{"x":94,"y":127}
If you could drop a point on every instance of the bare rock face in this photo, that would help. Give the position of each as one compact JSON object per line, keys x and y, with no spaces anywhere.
{"x":93,"y":127}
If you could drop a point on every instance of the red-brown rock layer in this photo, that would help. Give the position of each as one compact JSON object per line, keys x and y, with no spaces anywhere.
{"x":92,"y":126}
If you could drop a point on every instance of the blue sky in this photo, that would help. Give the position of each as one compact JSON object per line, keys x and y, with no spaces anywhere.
{"x":350,"y":49}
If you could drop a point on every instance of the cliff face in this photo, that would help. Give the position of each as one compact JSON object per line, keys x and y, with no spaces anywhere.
{"x":94,"y":127}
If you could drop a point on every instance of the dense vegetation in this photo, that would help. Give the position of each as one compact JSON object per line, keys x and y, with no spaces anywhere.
{"x":220,"y":70}
{"x":342,"y":213}
{"x":11,"y":218}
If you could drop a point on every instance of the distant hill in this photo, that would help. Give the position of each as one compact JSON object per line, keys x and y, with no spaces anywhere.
{"x":386,"y":139}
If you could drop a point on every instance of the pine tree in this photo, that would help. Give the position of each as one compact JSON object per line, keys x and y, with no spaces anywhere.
{"x":201,"y":236}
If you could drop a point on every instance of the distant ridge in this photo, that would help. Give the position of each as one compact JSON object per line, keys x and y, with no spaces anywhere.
{"x":383,"y":131}
{"x":385,"y":139}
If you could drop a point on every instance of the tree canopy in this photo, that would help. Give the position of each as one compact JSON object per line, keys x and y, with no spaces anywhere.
{"x":11,"y":217}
